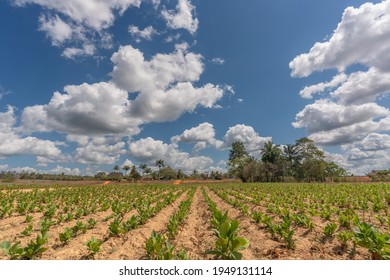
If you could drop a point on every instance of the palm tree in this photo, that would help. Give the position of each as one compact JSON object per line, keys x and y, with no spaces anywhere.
{"x":291,"y":153}
{"x":160,"y":164}
{"x":116,"y":168}
{"x":126,"y":168}
{"x":291,"y":156}
{"x":145,"y":169}
{"x":270,"y":152}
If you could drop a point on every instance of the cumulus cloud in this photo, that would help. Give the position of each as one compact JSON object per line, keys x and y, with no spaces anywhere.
{"x":182,"y":18}
{"x":148,"y":150}
{"x":162,"y":89}
{"x":98,"y":149}
{"x":164,"y":83}
{"x":66,"y":170}
{"x":133,"y":73}
{"x":201,"y":135}
{"x":78,"y":21}
{"x":86,"y":109}
{"x":325,"y":115}
{"x":309,"y":91}
{"x":139,"y":34}
{"x":252,"y":141}
{"x":58,"y":30}
{"x":361,"y":37}
{"x":369,"y":153}
{"x":85,"y":50}
{"x":12,"y":143}
{"x":362,"y":87}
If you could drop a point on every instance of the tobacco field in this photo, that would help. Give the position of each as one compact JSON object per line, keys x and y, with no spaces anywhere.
{"x":195,"y":221}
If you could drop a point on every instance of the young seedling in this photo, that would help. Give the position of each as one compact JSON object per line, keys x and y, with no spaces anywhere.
{"x":93,"y":246}
{"x":34,"y":248}
{"x":13,"y":251}
{"x":344,"y":236}
{"x":159,"y":248}
{"x":377,"y":243}
{"x":228,"y":244}
{"x":91,"y":223}
{"x":330,"y":229}
{"x":27,"y":231}
{"x":66,"y":235}
{"x":28,"y":218}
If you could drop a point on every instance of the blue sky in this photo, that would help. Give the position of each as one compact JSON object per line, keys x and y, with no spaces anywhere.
{"x":88,"y":84}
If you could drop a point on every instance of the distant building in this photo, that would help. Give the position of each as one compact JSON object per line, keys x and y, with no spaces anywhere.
{"x":358,"y":179}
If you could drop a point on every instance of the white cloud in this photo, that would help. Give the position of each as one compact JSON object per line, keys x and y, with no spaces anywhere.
{"x":57,"y":170}
{"x":361,"y":37}
{"x":148,"y":150}
{"x":11,"y":143}
{"x":218,"y":60}
{"x":325,"y":115}
{"x":252,"y":141}
{"x":172,"y":38}
{"x":201,"y":135}
{"x":99,"y":150}
{"x":86,"y":109}
{"x":95,"y":14}
{"x":138,"y":34}
{"x":60,"y":169}
{"x":351,"y":133}
{"x":133,"y":73}
{"x":164,"y":83}
{"x":82,"y":24}
{"x":370,"y":153}
{"x":85,"y":50}
{"x":58,"y":30}
{"x":362,"y":87}
{"x":309,"y":91}
{"x":127,"y":162}
{"x":3,"y":92}
{"x":372,"y":142}
{"x":182,"y":17}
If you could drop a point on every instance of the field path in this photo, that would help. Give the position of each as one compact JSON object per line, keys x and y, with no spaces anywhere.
{"x":195,"y":235}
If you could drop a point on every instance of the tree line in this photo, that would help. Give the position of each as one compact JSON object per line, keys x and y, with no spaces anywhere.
{"x":301,"y":161}
{"x":163,"y":172}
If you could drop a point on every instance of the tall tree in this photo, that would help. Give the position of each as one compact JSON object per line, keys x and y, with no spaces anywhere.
{"x":145,"y":169}
{"x":126,"y":168}
{"x":238,"y":158}
{"x":270,"y":152}
{"x":134,"y":174}
{"x":160,"y":164}
{"x":311,"y":165}
{"x":291,"y":157}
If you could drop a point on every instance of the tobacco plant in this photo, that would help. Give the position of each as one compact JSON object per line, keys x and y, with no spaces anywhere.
{"x":158,"y":247}
{"x":377,"y":243}
{"x":93,"y":246}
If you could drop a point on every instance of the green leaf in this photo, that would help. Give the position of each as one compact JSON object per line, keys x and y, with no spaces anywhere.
{"x":224,"y":229}
{"x":237,"y":255}
{"x":240,"y":243}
